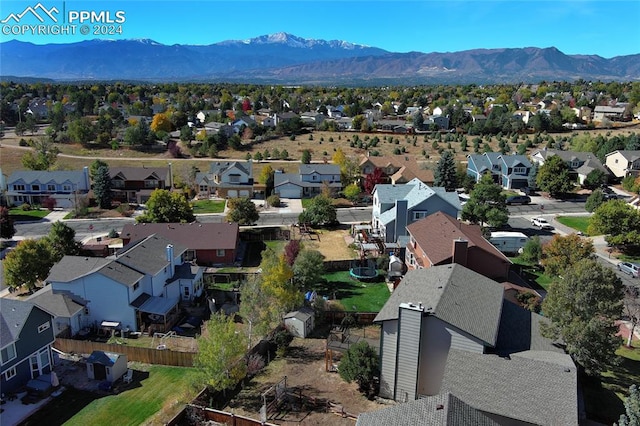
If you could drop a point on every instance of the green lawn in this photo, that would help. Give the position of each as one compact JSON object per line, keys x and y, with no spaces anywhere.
{"x":353,"y":294}
{"x":151,"y":391}
{"x":208,"y":206}
{"x":579,"y":223}
{"x":604,"y":396}
{"x":533,"y":273}
{"x":306,"y":202}
{"x":19,"y":215}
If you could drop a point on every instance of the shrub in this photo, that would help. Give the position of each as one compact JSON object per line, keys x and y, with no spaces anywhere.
{"x":360,"y":364}
{"x":49,"y":203}
{"x":25,"y":207}
{"x":125,"y":209}
{"x":255,"y":363}
{"x":529,"y":301}
{"x":113,"y":234}
{"x":273,"y":200}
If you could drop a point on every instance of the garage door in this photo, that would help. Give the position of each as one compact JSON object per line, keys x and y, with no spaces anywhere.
{"x":289,"y":192}
{"x":232,"y":193}
{"x":244,"y":193}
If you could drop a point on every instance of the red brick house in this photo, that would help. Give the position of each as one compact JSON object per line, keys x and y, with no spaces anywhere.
{"x":209,"y":244}
{"x":440,"y":239}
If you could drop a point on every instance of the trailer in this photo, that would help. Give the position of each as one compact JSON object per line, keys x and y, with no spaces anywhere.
{"x":508,"y":242}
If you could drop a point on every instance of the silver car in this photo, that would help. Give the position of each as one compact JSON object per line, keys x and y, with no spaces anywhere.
{"x":632,"y":269}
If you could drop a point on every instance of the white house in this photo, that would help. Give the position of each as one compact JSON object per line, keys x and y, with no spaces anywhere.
{"x":308,"y":182}
{"x":34,"y":186}
{"x":623,"y":163}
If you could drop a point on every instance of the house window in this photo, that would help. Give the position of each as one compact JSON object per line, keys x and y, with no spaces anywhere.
{"x":18,"y":187}
{"x":417,"y":215}
{"x":135,"y":286}
{"x":235,"y":178}
{"x":575,"y":164}
{"x":66,"y":188}
{"x":496,"y":167}
{"x":51,"y":188}
{"x":220,"y":252}
{"x":8,"y":353}
{"x":10,"y":374}
{"x":43,"y":327}
{"x":35,"y":187}
{"x":150,"y":183}
{"x":520,"y":170}
{"x":117,"y":183}
{"x":204,"y":188}
{"x":314,"y":177}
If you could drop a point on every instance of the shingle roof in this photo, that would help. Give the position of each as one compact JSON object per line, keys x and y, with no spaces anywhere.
{"x":13,"y":315}
{"x":148,"y":255}
{"x":436,"y":232}
{"x":439,"y":410}
{"x":388,"y":193}
{"x":70,"y":268}
{"x":121,"y":273}
{"x":512,"y":160}
{"x":628,"y":155}
{"x":57,"y":304}
{"x":195,"y":236}
{"x":456,"y":295}
{"x":418,"y":193}
{"x":217,"y":167}
{"x":588,"y":158}
{"x":44,"y":176}
{"x":139,"y":173}
{"x":534,"y":387}
{"x":323,"y":169}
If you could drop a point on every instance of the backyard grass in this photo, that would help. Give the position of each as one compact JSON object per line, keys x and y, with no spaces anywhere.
{"x":579,"y":223}
{"x":604,"y":396}
{"x":19,"y":215}
{"x":533,"y":273}
{"x":159,"y":388}
{"x":208,"y":206}
{"x":354,"y":295}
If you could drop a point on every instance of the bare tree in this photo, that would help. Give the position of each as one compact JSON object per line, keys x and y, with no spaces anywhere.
{"x":631,"y":309}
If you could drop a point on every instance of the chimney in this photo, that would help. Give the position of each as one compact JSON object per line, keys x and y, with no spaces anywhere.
{"x":402,"y":218}
{"x":170,"y":258}
{"x":459,"y":254}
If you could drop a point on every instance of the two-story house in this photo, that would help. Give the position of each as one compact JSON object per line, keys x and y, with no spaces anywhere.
{"x":308,"y":182}
{"x":207,"y":244}
{"x":397,"y":206}
{"x":509,"y":171}
{"x":26,"y":336}
{"x":449,"y":330}
{"x":226,"y":179}
{"x":135,"y":184}
{"x":67,"y":188}
{"x":440,"y":239}
{"x":580,"y":163}
{"x":139,"y":287}
{"x":396,"y":169}
{"x":623,"y":163}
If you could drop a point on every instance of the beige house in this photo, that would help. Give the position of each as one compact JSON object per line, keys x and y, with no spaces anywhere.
{"x":623,"y":163}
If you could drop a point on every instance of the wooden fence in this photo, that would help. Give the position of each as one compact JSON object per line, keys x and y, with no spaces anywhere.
{"x":362,"y":318}
{"x":145,"y":355}
{"x":196,"y":415}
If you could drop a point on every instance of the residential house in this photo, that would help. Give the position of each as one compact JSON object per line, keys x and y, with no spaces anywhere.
{"x":396,"y":169}
{"x":312,"y":118}
{"x":395,"y":126}
{"x":308,"y":182}
{"x":509,"y":171}
{"x":135,"y":184}
{"x":213,"y":128}
{"x":623,"y":163}
{"x":65,"y":309}
{"x":226,"y":179}
{"x":580,"y":163}
{"x":26,"y":336}
{"x":344,"y":123}
{"x":440,"y":239}
{"x":615,"y":113}
{"x":449,"y":330}
{"x":397,"y":206}
{"x":283,"y":117}
{"x":67,"y":188}
{"x":242,"y":122}
{"x":139,"y":287}
{"x":442,"y":121}
{"x":207,"y":244}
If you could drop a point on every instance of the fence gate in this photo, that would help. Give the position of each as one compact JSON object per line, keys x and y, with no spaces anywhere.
{"x":272,"y":397}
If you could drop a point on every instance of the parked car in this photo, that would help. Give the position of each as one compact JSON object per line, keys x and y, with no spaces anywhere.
{"x":541,"y":223}
{"x":527,"y":190}
{"x":518,"y":199}
{"x":632,"y":269}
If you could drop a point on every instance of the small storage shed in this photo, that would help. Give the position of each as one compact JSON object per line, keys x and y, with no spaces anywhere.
{"x":108,"y":366}
{"x":300,"y":323}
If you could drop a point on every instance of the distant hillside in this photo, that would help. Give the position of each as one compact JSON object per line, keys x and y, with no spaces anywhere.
{"x":287,"y":59}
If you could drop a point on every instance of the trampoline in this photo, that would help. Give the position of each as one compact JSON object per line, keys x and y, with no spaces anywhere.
{"x":364,"y":269}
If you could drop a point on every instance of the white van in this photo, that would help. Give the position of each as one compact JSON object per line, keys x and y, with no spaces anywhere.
{"x":508,"y":242}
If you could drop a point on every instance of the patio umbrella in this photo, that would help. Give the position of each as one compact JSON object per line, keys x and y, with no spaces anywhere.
{"x":54,"y":379}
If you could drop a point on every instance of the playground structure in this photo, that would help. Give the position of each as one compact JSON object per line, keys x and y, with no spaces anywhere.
{"x":363,"y":269}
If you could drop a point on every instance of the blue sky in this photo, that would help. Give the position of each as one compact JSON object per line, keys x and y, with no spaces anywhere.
{"x":606,"y":28}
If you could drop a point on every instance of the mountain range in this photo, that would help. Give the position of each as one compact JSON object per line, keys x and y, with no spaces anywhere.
{"x":283,"y":58}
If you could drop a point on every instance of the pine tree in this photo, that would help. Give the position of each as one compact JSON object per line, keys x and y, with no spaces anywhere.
{"x":445,"y":173}
{"x":102,"y":187}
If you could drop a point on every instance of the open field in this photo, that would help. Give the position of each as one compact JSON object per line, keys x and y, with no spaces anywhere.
{"x":333,"y":244}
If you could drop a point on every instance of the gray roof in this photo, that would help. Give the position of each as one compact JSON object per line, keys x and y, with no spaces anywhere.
{"x":323,"y":169}
{"x":439,"y":410}
{"x":57,"y":304}
{"x":535,"y":387}
{"x":388,"y":193}
{"x":218,"y":167}
{"x":280,"y":179}
{"x":457,"y":295}
{"x":628,"y":155}
{"x":44,"y":176}
{"x":139,"y":173}
{"x":186,"y":271}
{"x":13,"y":315}
{"x":148,"y":255}
{"x":301,"y":314}
{"x":121,"y":273}
{"x":589,"y":158}
{"x":512,"y":160}
{"x":70,"y":268}
{"x":484,"y":161}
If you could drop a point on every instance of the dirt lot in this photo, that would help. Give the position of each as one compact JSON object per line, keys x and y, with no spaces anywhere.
{"x":304,"y":367}
{"x":333,"y":244}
